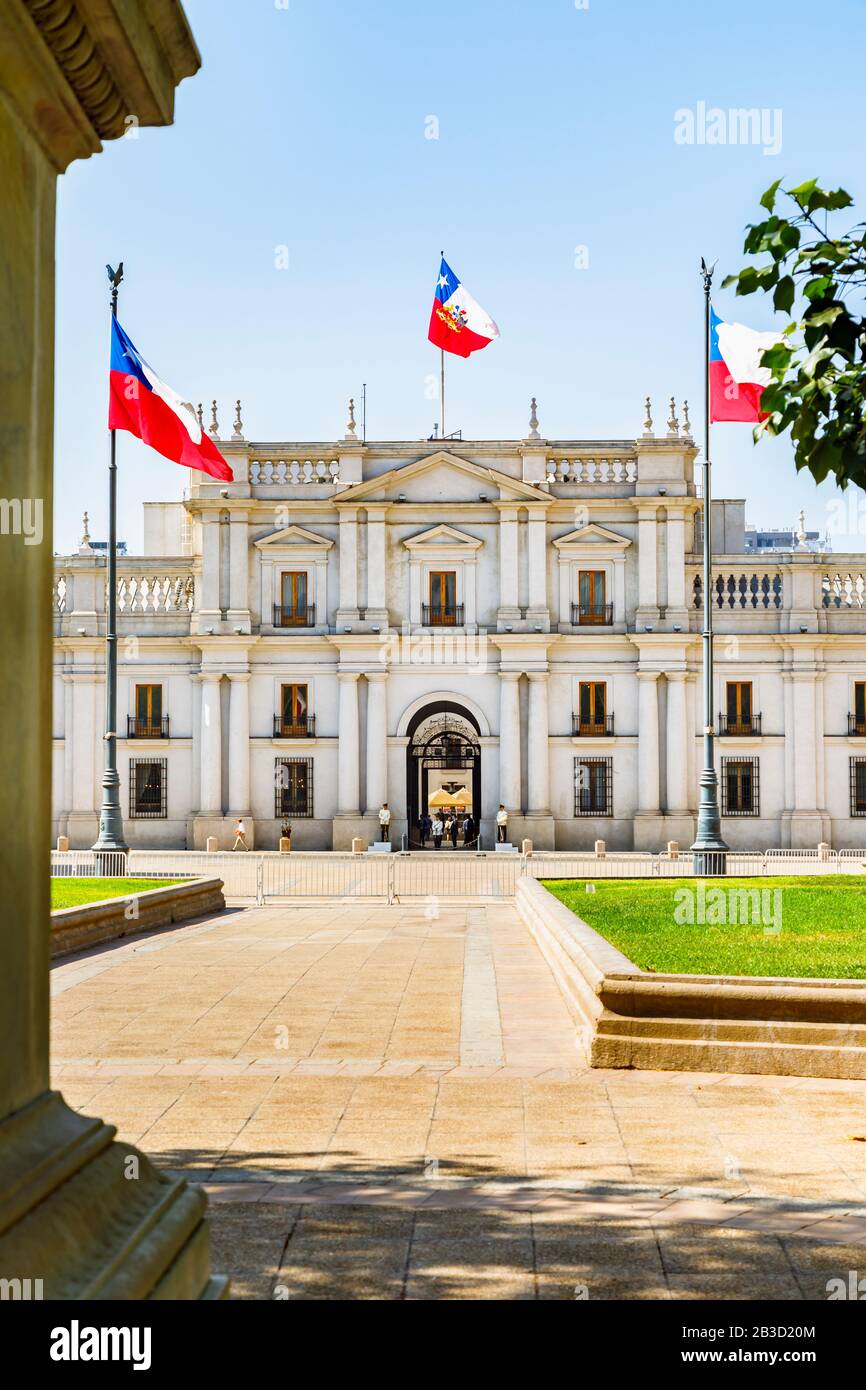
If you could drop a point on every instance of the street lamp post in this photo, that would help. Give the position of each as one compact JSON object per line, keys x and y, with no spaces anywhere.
{"x":709,"y":849}
{"x":111,"y":844}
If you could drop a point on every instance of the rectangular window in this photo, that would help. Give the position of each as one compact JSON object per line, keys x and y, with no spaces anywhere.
{"x":148,"y":791}
{"x":148,"y":712}
{"x":443,"y":597}
{"x":858,"y":786}
{"x":591,"y":592}
{"x":740,"y":787}
{"x":294,"y":599}
{"x":592,"y":707}
{"x":293,"y":785}
{"x":295,"y":710}
{"x":738,"y":707}
{"x":593,"y":786}
{"x":859,"y":707}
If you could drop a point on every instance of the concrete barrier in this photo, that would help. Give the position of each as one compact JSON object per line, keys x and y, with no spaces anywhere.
{"x":75,"y":928}
{"x":628,"y":1018}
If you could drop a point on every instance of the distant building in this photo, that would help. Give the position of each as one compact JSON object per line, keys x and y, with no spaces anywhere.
{"x":352,"y":622}
{"x":101,"y":547}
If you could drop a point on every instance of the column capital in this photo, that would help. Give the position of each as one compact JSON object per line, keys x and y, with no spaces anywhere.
{"x":510,"y":675}
{"x":677,"y":675}
{"x":348,"y":675}
{"x":208,"y":676}
{"x":538,"y":675}
{"x":376,"y":676}
{"x":238,"y":677}
{"x":648,"y":675}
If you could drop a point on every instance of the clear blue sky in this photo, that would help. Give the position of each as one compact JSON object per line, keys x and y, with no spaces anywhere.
{"x":306,"y":129}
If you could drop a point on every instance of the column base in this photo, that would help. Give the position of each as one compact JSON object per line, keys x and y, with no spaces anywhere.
{"x":537,"y":826}
{"x":347,"y":827}
{"x":646,"y":617}
{"x":649,"y":832}
{"x":82,"y":829}
{"x":508,"y":617}
{"x":223,"y":828}
{"x":239,"y":618}
{"x":538,"y":617}
{"x":93,"y":1218}
{"x":804,"y":829}
{"x":681,"y":828}
{"x":346,"y":617}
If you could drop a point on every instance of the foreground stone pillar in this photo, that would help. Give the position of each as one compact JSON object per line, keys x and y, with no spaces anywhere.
{"x":74,"y":1211}
{"x":348,"y":735}
{"x":377,"y":740}
{"x":509,"y":741}
{"x":537,"y":752}
{"x":239,"y":745}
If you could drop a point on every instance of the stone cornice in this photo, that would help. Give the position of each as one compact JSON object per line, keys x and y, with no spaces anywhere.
{"x":79,"y":73}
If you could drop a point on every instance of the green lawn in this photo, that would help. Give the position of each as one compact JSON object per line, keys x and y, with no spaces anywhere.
{"x":821,"y":924}
{"x":73,"y":892}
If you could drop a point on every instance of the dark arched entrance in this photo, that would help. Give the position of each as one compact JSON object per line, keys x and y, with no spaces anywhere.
{"x":443,"y":737}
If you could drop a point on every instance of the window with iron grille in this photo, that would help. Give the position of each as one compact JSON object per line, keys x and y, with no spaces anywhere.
{"x":293,"y":787}
{"x":148,"y":788}
{"x":857,"y":768}
{"x":593,"y":786}
{"x":741,"y":793}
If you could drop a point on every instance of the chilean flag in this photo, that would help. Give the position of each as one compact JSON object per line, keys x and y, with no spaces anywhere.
{"x":142,"y":404}
{"x":458,"y":323}
{"x":737,"y":379}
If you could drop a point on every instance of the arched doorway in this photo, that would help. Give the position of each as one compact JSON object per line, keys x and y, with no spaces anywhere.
{"x":444,"y":746}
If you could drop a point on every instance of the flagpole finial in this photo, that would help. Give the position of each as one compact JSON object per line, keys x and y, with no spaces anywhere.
{"x":648,"y":419}
{"x":351,"y":432}
{"x":673,"y":422}
{"x":214,"y":430}
{"x":238,"y":431}
{"x":687,"y":424}
{"x":533,"y":420}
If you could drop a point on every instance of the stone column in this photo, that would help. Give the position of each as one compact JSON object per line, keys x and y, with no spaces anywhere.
{"x":377,"y":740}
{"x":348,"y":779}
{"x":377,"y":609}
{"x":676,"y":568}
{"x":648,"y":744}
{"x":210,"y":613}
{"x":508,"y":561}
{"x":677,"y":745}
{"x":538,"y":614}
{"x":648,"y":600}
{"x":239,"y":572}
{"x":509,"y":741}
{"x":537,"y":752}
{"x":239,"y":744}
{"x":347,"y":611}
{"x":211,"y":746}
{"x":70,"y":1217}
{"x":805,"y":760}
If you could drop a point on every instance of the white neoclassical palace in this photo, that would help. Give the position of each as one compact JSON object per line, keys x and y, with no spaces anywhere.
{"x":519,"y":621}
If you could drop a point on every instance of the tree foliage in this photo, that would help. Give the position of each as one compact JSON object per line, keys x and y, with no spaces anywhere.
{"x":818,"y":387}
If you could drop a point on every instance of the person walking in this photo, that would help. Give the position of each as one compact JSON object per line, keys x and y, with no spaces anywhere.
{"x":502,"y":825}
{"x":468,"y":830}
{"x":385,"y":822}
{"x":437,"y":829}
{"x":454,"y":830}
{"x":240,"y":836}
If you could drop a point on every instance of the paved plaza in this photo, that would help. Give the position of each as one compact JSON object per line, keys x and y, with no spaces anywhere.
{"x":388,"y":1102}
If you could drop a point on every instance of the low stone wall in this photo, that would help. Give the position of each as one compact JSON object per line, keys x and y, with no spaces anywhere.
{"x":75,"y":928}
{"x":628,"y":1018}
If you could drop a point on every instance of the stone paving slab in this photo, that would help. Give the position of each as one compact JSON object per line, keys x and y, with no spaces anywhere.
{"x":385,"y":1103}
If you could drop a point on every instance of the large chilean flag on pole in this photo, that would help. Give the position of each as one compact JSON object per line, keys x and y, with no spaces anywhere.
{"x":458,"y":323}
{"x":737,"y":379}
{"x":142,"y":404}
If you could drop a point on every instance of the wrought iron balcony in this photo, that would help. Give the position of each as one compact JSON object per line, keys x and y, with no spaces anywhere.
{"x":294,"y":617}
{"x":449,"y":616}
{"x":591,"y":728}
{"x":855,"y":725}
{"x":146,"y":728}
{"x":740,"y":728}
{"x":591,"y":614}
{"x":302,"y":727}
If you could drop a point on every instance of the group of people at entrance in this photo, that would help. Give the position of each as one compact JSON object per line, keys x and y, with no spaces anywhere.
{"x":447,"y":825}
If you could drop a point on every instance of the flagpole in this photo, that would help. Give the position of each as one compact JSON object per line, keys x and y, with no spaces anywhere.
{"x":110,"y":841}
{"x":709,"y":850}
{"x":442,"y":378}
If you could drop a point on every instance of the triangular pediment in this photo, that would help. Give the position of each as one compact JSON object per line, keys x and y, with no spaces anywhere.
{"x":294,"y":535}
{"x":590,"y":535}
{"x":439,"y":537}
{"x":438,"y":470}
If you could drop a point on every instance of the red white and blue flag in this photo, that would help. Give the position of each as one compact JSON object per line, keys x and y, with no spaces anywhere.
{"x":458,"y":323}
{"x":737,"y":379}
{"x":142,"y":404}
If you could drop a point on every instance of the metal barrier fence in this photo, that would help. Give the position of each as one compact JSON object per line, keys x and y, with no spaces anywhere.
{"x":267,"y":876}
